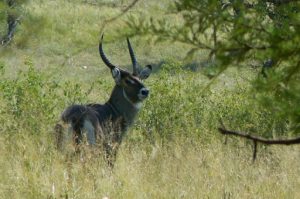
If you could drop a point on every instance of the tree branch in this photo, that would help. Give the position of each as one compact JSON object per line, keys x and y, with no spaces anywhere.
{"x":291,"y":141}
{"x":257,"y":139}
{"x":124,"y":11}
{"x":280,"y":2}
{"x":12,"y":22}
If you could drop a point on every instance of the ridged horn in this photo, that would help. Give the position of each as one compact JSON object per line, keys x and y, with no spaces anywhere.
{"x":133,"y":59}
{"x":103,"y":57}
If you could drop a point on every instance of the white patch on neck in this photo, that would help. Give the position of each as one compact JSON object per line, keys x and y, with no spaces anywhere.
{"x":137,"y":105}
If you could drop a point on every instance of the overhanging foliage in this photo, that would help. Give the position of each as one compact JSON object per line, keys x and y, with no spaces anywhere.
{"x":240,"y":33}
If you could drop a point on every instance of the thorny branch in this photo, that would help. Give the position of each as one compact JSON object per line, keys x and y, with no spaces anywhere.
{"x":295,"y":140}
{"x":257,"y":139}
{"x":280,"y":2}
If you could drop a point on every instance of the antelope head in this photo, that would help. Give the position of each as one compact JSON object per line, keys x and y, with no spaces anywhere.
{"x":131,"y":83}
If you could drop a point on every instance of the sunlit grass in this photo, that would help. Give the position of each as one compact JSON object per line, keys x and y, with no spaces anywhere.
{"x":63,"y":36}
{"x":172,"y":151}
{"x":180,"y":170}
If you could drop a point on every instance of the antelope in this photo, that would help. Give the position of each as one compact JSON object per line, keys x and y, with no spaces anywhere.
{"x":109,"y":122}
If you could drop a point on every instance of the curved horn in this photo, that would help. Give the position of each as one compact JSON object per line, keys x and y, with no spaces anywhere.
{"x":103,"y":57}
{"x":133,"y":59}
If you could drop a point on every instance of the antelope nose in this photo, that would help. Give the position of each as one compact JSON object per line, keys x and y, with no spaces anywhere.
{"x":144,"y":92}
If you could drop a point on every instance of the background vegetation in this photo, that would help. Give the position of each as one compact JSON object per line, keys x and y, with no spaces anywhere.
{"x":174,"y":149}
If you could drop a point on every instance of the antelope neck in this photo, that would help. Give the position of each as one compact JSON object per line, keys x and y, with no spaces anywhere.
{"x":135,"y":105}
{"x":122,"y":105}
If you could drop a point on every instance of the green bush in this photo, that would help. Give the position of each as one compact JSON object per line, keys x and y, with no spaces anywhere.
{"x":32,"y":101}
{"x":179,"y":105}
{"x":239,"y":33}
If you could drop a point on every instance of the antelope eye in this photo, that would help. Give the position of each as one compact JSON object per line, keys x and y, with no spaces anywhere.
{"x":128,"y":81}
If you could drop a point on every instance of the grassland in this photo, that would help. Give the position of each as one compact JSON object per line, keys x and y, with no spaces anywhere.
{"x":173,"y":150}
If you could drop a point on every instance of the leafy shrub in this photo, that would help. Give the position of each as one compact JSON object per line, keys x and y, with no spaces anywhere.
{"x":32,"y":101}
{"x":181,"y":105}
{"x":237,"y":33}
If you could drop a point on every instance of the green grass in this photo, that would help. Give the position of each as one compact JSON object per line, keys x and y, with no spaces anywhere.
{"x":172,"y":151}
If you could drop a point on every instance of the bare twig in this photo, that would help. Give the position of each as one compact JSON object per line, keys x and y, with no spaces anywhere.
{"x":291,"y":141}
{"x":254,"y":150}
{"x":130,"y":6}
{"x":257,"y":139}
{"x":280,"y":2}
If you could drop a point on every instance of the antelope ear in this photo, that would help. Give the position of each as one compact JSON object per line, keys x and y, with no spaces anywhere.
{"x":145,"y":73}
{"x":116,"y":74}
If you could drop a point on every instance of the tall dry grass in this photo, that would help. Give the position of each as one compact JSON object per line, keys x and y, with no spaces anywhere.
{"x":173,"y":150}
{"x":182,"y":169}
